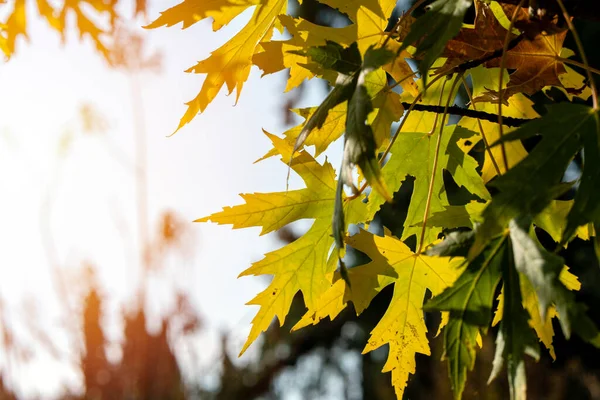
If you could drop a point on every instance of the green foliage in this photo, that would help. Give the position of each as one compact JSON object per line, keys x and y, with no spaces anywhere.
{"x":469,"y":302}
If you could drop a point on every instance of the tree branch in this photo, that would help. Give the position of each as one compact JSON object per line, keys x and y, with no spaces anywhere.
{"x":583,"y":9}
{"x":465,"y":112}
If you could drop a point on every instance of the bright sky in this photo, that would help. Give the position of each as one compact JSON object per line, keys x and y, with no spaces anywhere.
{"x":196,"y":172}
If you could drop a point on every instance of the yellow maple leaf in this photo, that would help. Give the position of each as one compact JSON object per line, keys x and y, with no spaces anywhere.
{"x":399,"y":69}
{"x":403,"y":326}
{"x":366,"y":281}
{"x":230,"y":64}
{"x":519,"y":106}
{"x":553,"y":219}
{"x":279,"y":55}
{"x":303,"y":265}
{"x":331,"y":130}
{"x":56,"y":16}
{"x":370,"y":19}
{"x":191,"y":11}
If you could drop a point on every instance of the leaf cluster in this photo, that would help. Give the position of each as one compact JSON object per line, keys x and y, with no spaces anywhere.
{"x":473,"y":256}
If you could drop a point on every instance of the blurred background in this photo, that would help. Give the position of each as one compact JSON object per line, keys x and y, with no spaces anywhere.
{"x":107,"y":289}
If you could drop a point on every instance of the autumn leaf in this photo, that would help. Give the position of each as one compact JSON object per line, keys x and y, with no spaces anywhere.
{"x":535,"y":60}
{"x":553,"y":219}
{"x":370,"y":19}
{"x":56,"y":16}
{"x":332,"y":128}
{"x":366,"y":281}
{"x":485,"y":37}
{"x":403,"y":326}
{"x":302,"y":265}
{"x":389,"y":109}
{"x":279,"y":55}
{"x":230,"y":64}
{"x":399,"y":69}
{"x":191,"y":11}
{"x":431,"y":31}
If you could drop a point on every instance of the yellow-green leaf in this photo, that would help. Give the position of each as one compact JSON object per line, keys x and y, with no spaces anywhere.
{"x":302,"y":265}
{"x":403,"y":325}
{"x":413,"y":154}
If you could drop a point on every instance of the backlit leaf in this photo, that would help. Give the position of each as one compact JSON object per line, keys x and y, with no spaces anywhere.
{"x":412,"y":154}
{"x":302,"y":265}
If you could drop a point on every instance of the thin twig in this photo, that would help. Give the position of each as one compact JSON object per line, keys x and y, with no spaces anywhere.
{"x":466,"y":112}
{"x":578,"y":64}
{"x":581,"y":53}
{"x":485,"y":141}
{"x":435,"y":163}
{"x":412,"y":106}
{"x":502,"y":68}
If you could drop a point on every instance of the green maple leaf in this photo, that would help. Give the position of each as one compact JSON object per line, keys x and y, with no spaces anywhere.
{"x":515,"y":336}
{"x":413,"y":154}
{"x":469,"y":302}
{"x":530,"y":186}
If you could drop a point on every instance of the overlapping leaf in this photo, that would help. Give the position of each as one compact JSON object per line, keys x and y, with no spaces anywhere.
{"x":278,"y":55}
{"x":518,"y":107}
{"x":543,"y":327}
{"x":403,"y":326}
{"x":370,"y":19}
{"x":543,"y":270}
{"x":565,"y":129}
{"x":469,"y":302}
{"x":412,"y":155}
{"x":515,"y":337}
{"x":535,"y":59}
{"x":431,"y":31}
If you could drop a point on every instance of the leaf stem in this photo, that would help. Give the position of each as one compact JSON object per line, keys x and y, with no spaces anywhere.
{"x":581,"y":53}
{"x":435,"y":161}
{"x":485,"y":141}
{"x":578,"y":64}
{"x":501,"y":77}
